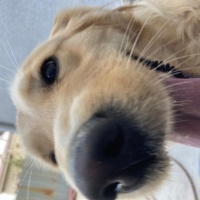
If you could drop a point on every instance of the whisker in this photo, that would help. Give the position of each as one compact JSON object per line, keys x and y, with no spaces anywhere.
{"x":159,"y":80}
{"x":185,"y":56}
{"x":186,"y":68}
{"x":128,"y":37}
{"x":136,"y":40}
{"x":30,"y":167}
{"x":167,"y":75}
{"x":152,"y":39}
{"x":12,"y":53}
{"x":4,"y":80}
{"x":158,"y":49}
{"x":168,"y":61}
{"x":8,"y":54}
{"x":17,"y":66}
{"x":29,"y":183}
{"x":6,"y":68}
{"x":168,"y":87}
{"x":13,"y":60}
{"x":124,"y":37}
{"x":7,"y":84}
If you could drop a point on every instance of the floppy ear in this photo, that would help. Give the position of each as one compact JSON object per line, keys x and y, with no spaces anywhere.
{"x":62,"y":20}
{"x":78,"y":19}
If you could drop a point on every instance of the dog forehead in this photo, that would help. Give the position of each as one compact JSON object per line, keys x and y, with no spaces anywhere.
{"x":41,"y":52}
{"x":61,"y":45}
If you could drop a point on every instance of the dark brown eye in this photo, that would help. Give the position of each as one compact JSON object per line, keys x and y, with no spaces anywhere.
{"x":52,"y":157}
{"x":49,"y":71}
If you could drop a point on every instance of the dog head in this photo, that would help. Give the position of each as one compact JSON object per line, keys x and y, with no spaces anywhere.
{"x":88,"y":109}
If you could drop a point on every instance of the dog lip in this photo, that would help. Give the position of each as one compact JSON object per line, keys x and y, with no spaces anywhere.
{"x":161,"y":67}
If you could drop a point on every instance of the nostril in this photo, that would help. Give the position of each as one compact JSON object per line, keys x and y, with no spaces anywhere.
{"x":111,"y":190}
{"x":100,"y":115}
{"x":114,"y":144}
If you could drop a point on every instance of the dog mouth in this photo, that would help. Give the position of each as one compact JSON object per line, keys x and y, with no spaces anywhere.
{"x":159,"y":66}
{"x":184,"y":89}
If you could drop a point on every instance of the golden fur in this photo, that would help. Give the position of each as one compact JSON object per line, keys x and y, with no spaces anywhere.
{"x":90,"y":45}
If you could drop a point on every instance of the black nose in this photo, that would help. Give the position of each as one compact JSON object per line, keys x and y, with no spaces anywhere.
{"x":109,"y":156}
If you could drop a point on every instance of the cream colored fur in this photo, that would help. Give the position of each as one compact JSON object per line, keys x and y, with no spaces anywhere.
{"x":90,"y":45}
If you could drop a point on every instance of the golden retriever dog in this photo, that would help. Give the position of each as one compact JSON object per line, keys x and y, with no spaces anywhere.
{"x":101,"y":96}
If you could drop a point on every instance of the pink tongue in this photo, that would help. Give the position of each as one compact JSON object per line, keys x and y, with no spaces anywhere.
{"x":186,"y":94}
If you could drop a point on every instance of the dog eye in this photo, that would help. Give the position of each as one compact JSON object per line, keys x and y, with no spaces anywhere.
{"x":49,"y":71}
{"x":52,"y":157}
